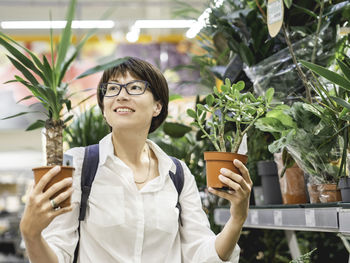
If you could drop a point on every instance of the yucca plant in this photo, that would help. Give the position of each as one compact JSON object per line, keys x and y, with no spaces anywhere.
{"x":44,"y":79}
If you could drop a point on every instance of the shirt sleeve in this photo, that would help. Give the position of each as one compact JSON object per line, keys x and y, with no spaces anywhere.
{"x":62,"y":233}
{"x":197,"y":239}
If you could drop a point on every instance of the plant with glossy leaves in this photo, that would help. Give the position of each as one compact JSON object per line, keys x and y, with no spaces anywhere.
{"x":229,"y":104}
{"x":44,"y":79}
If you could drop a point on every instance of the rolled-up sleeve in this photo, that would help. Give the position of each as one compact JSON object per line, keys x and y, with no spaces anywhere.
{"x":197,"y":239}
{"x":62,"y":233}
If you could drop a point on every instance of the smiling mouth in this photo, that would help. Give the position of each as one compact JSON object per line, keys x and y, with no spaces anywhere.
{"x":123,"y":110}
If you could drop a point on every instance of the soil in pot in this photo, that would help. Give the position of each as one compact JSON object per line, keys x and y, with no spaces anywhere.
{"x":329,"y":193}
{"x":217,"y":160}
{"x":66,"y":171}
{"x":344,"y":186}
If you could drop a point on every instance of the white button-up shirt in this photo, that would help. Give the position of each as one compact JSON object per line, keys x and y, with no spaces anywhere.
{"x":127,"y":225}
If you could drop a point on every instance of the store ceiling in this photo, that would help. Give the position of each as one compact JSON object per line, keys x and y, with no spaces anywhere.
{"x":125,"y":12}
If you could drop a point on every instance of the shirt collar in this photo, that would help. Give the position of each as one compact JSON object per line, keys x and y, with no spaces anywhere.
{"x":164,"y":161}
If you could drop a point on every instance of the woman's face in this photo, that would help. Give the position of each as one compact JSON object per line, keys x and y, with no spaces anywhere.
{"x":126,"y":111}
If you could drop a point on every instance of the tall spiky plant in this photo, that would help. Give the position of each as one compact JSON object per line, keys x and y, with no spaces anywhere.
{"x":47,"y":86}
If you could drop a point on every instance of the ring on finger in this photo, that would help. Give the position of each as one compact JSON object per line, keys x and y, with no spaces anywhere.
{"x":53,"y":204}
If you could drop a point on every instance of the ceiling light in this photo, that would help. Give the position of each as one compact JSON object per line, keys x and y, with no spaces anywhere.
{"x":56,"y":24}
{"x":164,"y":23}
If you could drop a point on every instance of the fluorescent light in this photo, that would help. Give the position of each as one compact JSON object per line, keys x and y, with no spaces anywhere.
{"x":133,"y":35}
{"x":57,"y":24}
{"x":164,"y":23}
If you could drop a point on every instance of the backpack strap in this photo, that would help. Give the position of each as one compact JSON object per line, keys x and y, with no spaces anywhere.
{"x":178,"y":180}
{"x":89,"y":169}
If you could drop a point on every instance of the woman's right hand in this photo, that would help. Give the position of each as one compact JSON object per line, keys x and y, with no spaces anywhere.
{"x":39,"y":211}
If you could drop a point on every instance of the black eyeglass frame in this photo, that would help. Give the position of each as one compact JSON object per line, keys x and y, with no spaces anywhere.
{"x":103,"y":87}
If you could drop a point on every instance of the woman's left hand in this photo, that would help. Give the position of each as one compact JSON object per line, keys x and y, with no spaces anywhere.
{"x":239,"y":193}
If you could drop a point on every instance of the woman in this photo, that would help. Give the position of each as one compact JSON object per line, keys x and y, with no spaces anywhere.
{"x":132,"y":215}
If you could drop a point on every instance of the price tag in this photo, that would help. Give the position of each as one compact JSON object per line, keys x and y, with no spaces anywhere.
{"x":310,"y":217}
{"x":275,"y":12}
{"x":254,"y":217}
{"x":277,"y":217}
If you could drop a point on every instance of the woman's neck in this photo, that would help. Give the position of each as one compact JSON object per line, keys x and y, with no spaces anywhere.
{"x":129,"y":147}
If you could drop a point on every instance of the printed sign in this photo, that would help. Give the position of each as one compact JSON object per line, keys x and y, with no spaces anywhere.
{"x":275,"y":12}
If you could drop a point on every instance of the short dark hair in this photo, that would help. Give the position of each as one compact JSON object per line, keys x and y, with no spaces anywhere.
{"x":145,"y":71}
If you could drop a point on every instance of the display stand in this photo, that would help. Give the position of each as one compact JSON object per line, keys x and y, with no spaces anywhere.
{"x":329,"y":217}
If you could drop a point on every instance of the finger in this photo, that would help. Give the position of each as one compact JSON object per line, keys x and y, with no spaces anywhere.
{"x":244,"y":170}
{"x":231,"y":184}
{"x":53,"y":189}
{"x":39,"y":188}
{"x":63,"y":196}
{"x":233,"y":177}
{"x":61,"y":211}
{"x":221,"y":194}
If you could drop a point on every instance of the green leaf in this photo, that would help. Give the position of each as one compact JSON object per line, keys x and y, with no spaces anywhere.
{"x":17,"y":54}
{"x":25,"y":98}
{"x":24,"y":71}
{"x":327,"y":74}
{"x":306,"y":11}
{"x":239,"y":85}
{"x":16,"y":115}
{"x":66,"y":37}
{"x":269,"y":95}
{"x":68,"y":118}
{"x":288,"y":3}
{"x":342,"y":102}
{"x":36,"y":125}
{"x":201,"y":107}
{"x":345,"y":69}
{"x":210,"y":100}
{"x":176,"y":130}
{"x":102,"y":67}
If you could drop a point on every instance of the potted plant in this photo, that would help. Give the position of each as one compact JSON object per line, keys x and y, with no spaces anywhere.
{"x":227,"y":105}
{"x":303,"y":130}
{"x":336,"y":102}
{"x":44,"y":79}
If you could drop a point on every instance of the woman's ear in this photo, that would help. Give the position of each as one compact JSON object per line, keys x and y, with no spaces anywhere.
{"x":157,"y":108}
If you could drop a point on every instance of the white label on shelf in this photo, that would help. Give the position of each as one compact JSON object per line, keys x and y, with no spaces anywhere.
{"x":277,"y":217}
{"x":310,"y":217}
{"x":254,"y":217}
{"x":274,"y":12}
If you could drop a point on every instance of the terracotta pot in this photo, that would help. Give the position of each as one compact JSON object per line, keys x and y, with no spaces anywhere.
{"x":293,"y":186}
{"x":314,"y":194}
{"x":329,"y":193}
{"x":66,"y":171}
{"x":217,"y":160}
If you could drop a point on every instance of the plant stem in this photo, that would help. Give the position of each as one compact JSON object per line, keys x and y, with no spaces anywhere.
{"x":261,"y":10}
{"x":207,"y":135}
{"x":313,"y":57}
{"x":300,"y":72}
{"x":54,"y":142}
{"x":222,"y":132}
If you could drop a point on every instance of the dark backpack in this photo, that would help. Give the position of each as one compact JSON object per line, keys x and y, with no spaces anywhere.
{"x":89,"y":169}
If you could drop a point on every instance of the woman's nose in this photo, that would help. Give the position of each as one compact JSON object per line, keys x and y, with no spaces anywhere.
{"x":123,"y":95}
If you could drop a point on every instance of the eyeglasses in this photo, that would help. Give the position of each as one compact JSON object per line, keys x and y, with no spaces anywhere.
{"x":135,"y":87}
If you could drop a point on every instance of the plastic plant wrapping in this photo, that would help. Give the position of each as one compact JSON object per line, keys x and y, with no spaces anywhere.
{"x":278,"y":70}
{"x":303,"y":129}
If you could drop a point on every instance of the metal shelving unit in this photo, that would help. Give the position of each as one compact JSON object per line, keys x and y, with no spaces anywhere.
{"x":329,"y":217}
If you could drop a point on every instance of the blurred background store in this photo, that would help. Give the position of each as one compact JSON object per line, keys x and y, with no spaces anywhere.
{"x":143,"y":28}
